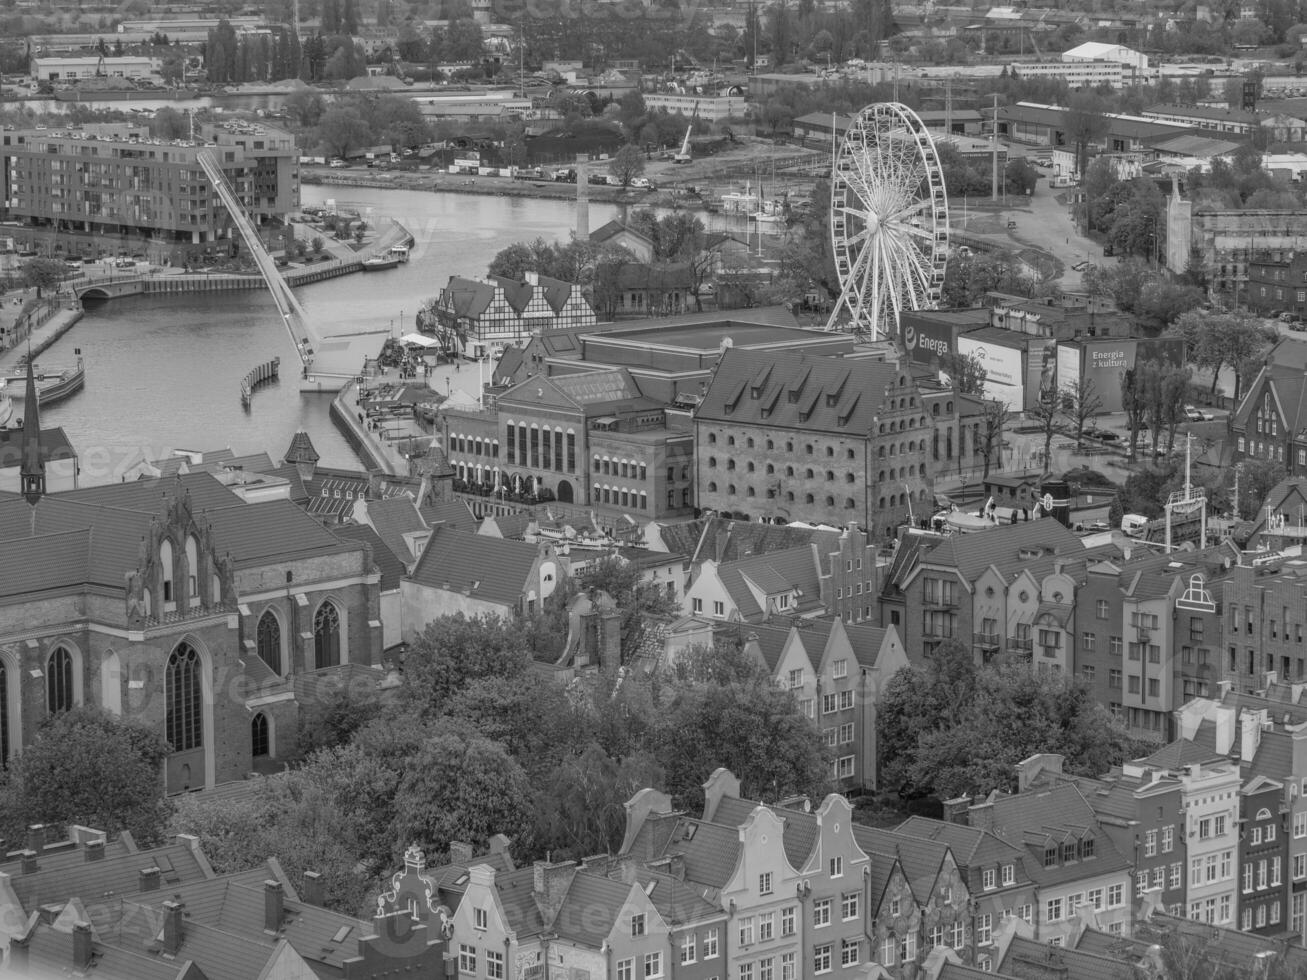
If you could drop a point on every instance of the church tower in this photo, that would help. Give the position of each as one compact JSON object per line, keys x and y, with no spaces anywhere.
{"x":32,"y":473}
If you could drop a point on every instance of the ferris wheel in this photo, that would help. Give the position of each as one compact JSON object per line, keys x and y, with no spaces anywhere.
{"x":888,"y":220}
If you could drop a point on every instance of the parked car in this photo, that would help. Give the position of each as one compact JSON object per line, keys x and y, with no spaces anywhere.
{"x":1080,"y":266}
{"x":1195,"y":414}
{"x":338,"y":162}
{"x":1103,"y":435}
{"x":1286,"y":317}
{"x":1108,"y":250}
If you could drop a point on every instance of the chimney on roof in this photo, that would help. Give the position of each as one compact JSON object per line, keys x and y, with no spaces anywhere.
{"x":81,"y":945}
{"x":311,"y":890}
{"x":460,"y":852}
{"x":94,"y":850}
{"x":172,"y":928}
{"x":28,"y":864}
{"x":955,"y":810}
{"x":36,"y":837}
{"x":274,"y":906}
{"x":150,"y":879}
{"x":48,"y":913}
{"x":549,"y":885}
{"x":500,"y":844}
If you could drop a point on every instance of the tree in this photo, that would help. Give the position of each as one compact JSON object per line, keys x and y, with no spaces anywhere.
{"x":1082,"y":404}
{"x":948,"y":727}
{"x":343,"y":130}
{"x":461,"y":786}
{"x":583,"y":811}
{"x":1084,"y":123}
{"x":464,"y":41}
{"x":1256,"y":479}
{"x":1046,"y":414}
{"x":455,"y":650}
{"x":966,"y":372}
{"x":1214,"y":340}
{"x":43,"y":274}
{"x":1136,"y":383}
{"x":87,"y":767}
{"x":627,"y":164}
{"x":993,"y":422}
{"x":751,"y":728}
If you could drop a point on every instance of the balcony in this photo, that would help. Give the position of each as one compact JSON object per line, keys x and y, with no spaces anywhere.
{"x":986,"y":639}
{"x":1024,"y":645}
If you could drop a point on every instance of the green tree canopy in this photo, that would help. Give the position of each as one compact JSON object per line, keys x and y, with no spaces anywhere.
{"x":89,"y":768}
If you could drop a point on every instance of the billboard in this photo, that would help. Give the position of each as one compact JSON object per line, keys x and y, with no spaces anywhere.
{"x":1106,"y":361}
{"x":927,"y":340}
{"x":1068,"y":367}
{"x":1003,"y":377}
{"x":1041,"y":367}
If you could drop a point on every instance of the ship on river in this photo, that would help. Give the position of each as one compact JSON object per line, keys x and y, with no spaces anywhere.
{"x":52,"y":387}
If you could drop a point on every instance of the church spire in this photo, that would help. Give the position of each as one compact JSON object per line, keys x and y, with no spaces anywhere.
{"x":32,"y":473}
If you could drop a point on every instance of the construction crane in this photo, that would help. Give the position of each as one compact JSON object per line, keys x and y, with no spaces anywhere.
{"x":684,"y":155}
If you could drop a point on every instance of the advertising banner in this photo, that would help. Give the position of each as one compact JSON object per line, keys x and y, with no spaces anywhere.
{"x":1002,"y":364}
{"x":927,"y":340}
{"x":1105,"y":364}
{"x":1068,"y":367}
{"x":1041,"y":368}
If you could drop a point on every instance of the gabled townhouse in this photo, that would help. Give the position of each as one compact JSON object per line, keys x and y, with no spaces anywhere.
{"x":1072,"y":860}
{"x":937,"y":886}
{"x":1267,"y":734}
{"x":838,"y":674}
{"x":894,"y":915}
{"x":485,"y":316}
{"x":993,"y":870}
{"x":754,"y":588}
{"x":476,"y":574}
{"x":983,"y":590}
{"x":746,"y":869}
{"x":831,"y":868}
{"x":1263,"y":857}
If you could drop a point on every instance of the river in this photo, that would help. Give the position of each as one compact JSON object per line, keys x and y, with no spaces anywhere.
{"x":164,"y":372}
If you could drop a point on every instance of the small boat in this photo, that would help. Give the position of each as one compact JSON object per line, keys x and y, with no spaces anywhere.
{"x":380,"y":263}
{"x":51,"y":386}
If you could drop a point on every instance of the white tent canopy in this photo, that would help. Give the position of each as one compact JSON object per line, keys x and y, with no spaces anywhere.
{"x":418,"y":340}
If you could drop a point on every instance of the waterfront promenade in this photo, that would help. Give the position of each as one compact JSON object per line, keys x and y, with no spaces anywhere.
{"x":386,"y":447}
{"x":41,"y":337}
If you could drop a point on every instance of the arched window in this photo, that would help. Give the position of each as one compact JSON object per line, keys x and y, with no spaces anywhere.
{"x":849,"y":454}
{"x":830,"y":451}
{"x":807,"y":499}
{"x":326,"y":636}
{"x":830,"y":475}
{"x":183,"y":726}
{"x":848,"y":503}
{"x":192,"y":568}
{"x":59,"y":681}
{"x":830,"y":501}
{"x":269,"y":640}
{"x":807,"y":474}
{"x":260,"y":745}
{"x":166,"y":567}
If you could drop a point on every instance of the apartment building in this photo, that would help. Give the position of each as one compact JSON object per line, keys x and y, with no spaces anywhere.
{"x":1209,"y":795}
{"x":1263,"y":857}
{"x":113,"y":179}
{"x":988,"y":591}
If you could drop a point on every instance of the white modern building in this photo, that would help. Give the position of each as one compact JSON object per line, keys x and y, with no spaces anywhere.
{"x":1136,"y":61}
{"x":53,"y":69}
{"x":713,"y":108}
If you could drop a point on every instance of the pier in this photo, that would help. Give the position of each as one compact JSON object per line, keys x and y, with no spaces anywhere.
{"x":265,"y":372}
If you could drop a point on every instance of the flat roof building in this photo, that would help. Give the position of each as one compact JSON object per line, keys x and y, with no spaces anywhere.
{"x":114,"y":179}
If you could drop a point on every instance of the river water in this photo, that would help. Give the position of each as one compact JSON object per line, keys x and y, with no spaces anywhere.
{"x":164,"y":372}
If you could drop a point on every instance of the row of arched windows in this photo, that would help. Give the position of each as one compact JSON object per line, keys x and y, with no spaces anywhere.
{"x":326,"y":638}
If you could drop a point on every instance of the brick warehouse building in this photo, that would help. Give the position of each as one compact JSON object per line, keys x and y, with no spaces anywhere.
{"x":115,"y":180}
{"x":176,"y":604}
{"x":784,"y":437}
